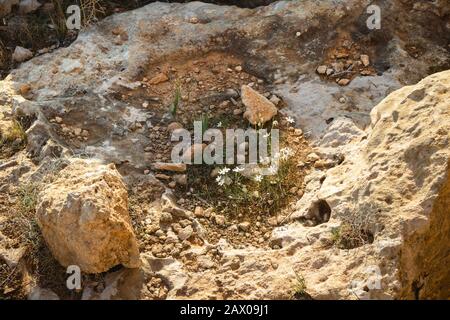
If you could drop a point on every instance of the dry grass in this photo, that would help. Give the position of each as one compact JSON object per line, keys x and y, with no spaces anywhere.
{"x":12,"y":139}
{"x":91,"y":10}
{"x":245,"y":196}
{"x":299,"y":289}
{"x":355,"y":229}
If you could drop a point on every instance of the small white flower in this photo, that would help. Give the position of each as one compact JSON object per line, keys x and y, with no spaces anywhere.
{"x":238,"y":169}
{"x":219,"y":125}
{"x":224,"y":171}
{"x":220,"y":181}
{"x":286,"y":153}
{"x":273,"y":169}
{"x":290,"y":119}
{"x":266,"y":135}
{"x":258,"y":178}
{"x":275,"y":123}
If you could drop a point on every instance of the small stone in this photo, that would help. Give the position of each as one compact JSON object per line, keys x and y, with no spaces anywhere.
{"x":338,"y":66}
{"x":146,"y":171}
{"x":159,"y":78}
{"x":321,"y":69}
{"x":214,"y":172}
{"x":176,"y":167}
{"x":172,"y":184}
{"x":273,"y":221}
{"x":185,"y":233}
{"x":275,"y":100}
{"x":365,"y":60}
{"x":208,"y":212}
{"x":174,"y":125}
{"x":165,"y":217}
{"x":312,"y":157}
{"x":193,"y":20}
{"x":161,"y":176}
{"x":237,"y":112}
{"x":180,"y":179}
{"x":238,"y":68}
{"x":343,"y":82}
{"x":298,"y":34}
{"x":293,"y":190}
{"x":259,"y":108}
{"x":219,"y":220}
{"x":58,"y":119}
{"x":21,"y":54}
{"x":199,"y":212}
{"x":244,"y":226}
{"x":342,"y":100}
{"x":24,"y":89}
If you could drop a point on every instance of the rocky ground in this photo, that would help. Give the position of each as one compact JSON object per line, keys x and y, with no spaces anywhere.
{"x":358,"y":211}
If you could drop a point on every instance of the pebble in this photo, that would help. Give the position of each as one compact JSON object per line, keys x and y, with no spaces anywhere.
{"x":219,"y":220}
{"x":174,"y":125}
{"x":365,"y":60}
{"x":199,"y":212}
{"x":185,"y":233}
{"x":322,"y":69}
{"x":343,"y":82}
{"x":165,"y":217}
{"x":172,"y":184}
{"x":244,"y":226}
{"x":180,"y":179}
{"x":275,"y":100}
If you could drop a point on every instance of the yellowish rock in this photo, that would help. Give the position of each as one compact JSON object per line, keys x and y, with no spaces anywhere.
{"x":259,"y":108}
{"x":83,"y":216}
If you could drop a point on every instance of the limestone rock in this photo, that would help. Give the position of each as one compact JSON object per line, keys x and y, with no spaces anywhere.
{"x":259,"y":108}
{"x":27,"y":6}
{"x":83,"y":216}
{"x":365,"y":60}
{"x":159,"y":78}
{"x":176,"y":167}
{"x":21,"y":54}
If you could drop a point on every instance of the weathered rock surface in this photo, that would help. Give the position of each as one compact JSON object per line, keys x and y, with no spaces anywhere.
{"x":389,"y":169}
{"x":84,"y":218}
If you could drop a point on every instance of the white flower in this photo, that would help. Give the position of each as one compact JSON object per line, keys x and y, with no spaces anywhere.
{"x":224,"y":171}
{"x":220,"y":181}
{"x":266,"y":135}
{"x":286,"y":153}
{"x":290,"y":119}
{"x":219,"y":125}
{"x":238,"y":169}
{"x":273,"y":169}
{"x":258,"y":178}
{"x":275,"y":123}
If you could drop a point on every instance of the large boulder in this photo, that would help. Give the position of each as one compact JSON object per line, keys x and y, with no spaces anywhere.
{"x":84,"y":218}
